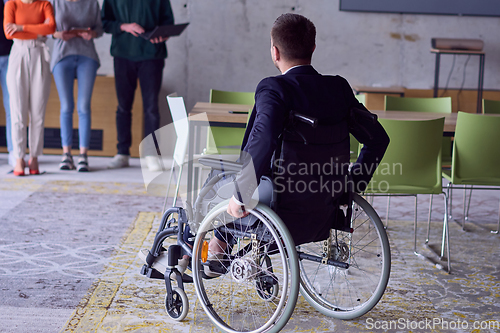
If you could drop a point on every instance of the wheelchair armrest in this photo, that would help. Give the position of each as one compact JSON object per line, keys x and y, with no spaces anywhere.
{"x":222,"y":165}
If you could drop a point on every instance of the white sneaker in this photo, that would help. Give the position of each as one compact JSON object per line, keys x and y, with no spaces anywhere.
{"x":12,"y":159}
{"x":153,"y":163}
{"x":119,"y":161}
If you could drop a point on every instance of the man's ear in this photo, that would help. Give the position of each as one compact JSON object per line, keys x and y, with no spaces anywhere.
{"x":276,"y":53}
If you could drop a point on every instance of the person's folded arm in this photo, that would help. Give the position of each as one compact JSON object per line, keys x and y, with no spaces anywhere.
{"x":48,"y":27}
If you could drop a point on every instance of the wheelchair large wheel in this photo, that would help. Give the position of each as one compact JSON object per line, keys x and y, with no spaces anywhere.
{"x":347,"y":293}
{"x":258,"y":288}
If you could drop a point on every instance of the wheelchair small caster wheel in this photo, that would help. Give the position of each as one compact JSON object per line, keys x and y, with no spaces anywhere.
{"x":267,"y":291}
{"x":178,"y":307}
{"x":266,"y":283}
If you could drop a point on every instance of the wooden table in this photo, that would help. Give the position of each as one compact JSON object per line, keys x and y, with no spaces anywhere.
{"x":380,"y":90}
{"x":450,"y":119}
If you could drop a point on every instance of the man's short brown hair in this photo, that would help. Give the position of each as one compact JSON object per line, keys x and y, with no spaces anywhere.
{"x":294,"y":36}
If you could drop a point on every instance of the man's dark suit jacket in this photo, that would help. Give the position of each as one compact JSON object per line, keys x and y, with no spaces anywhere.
{"x":309,"y":179}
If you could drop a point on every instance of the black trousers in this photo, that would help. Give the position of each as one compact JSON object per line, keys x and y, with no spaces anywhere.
{"x":150,"y":74}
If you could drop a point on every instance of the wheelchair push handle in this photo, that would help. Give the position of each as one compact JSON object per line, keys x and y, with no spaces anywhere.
{"x":306,"y":119}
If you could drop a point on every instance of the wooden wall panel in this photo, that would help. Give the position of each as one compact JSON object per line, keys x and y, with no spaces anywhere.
{"x":104,"y":105}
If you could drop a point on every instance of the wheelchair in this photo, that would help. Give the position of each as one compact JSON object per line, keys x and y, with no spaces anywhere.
{"x":261,"y":270}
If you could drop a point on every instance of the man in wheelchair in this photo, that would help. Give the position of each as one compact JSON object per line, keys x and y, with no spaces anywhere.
{"x":309,"y":227}
{"x":298,"y":134}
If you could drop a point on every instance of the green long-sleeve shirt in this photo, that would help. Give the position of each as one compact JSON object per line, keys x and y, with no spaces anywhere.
{"x":147,"y":14}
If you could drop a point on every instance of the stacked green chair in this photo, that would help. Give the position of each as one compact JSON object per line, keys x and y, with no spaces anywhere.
{"x":422,"y":104}
{"x":412,"y":166}
{"x":476,"y":154}
{"x":227,"y":140}
{"x":490,"y":106}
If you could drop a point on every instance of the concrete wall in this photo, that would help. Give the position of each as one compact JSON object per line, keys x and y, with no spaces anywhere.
{"x":227,"y":47}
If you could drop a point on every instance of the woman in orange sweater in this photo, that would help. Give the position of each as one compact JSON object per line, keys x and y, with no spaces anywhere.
{"x":27,"y":22}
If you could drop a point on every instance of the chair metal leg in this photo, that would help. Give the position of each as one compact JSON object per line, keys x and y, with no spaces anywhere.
{"x":446,"y":235}
{"x":450,"y":195}
{"x":429,"y":219}
{"x":498,"y":226}
{"x":415,"y":228}
{"x":387,"y":212}
{"x":468,"y":205}
{"x":463,"y":214}
{"x":168,"y":187}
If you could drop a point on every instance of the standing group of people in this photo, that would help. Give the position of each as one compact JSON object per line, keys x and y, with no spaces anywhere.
{"x":74,"y":24}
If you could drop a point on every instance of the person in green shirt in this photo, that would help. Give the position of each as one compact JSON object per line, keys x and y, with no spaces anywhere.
{"x":136,"y":58}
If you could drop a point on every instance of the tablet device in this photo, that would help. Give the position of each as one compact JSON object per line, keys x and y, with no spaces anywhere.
{"x":79,"y":29}
{"x":165,"y":31}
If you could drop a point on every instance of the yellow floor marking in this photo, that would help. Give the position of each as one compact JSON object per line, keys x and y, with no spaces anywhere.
{"x":94,"y":307}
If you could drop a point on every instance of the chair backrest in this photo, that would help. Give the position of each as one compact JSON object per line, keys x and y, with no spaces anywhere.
{"x":181,"y":126}
{"x":438,"y":104}
{"x":226,"y":140}
{"x":412,"y":162}
{"x":231,"y":97}
{"x":490,"y":106}
{"x":476,"y":150}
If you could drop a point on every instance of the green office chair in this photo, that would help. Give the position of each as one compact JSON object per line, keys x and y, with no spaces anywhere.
{"x":490,"y":106}
{"x":476,"y":158}
{"x":424,"y":104}
{"x":421,"y":104}
{"x":412,"y":166}
{"x":227,"y":140}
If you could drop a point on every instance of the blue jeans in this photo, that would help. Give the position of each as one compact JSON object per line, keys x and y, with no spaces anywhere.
{"x":149,"y":73}
{"x":4,"y":62}
{"x":84,"y":69}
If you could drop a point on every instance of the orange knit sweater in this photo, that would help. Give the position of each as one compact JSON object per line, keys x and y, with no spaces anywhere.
{"x":37,"y":18}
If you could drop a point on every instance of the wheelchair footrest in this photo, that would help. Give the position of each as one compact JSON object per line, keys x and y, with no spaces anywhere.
{"x":151,"y":273}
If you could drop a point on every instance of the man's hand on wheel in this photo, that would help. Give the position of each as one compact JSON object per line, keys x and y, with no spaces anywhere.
{"x":235,"y":209}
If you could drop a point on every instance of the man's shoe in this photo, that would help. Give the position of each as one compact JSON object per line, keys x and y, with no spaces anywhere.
{"x":67,"y":162}
{"x":153,"y":163}
{"x":119,"y":161}
{"x":217,"y":259}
